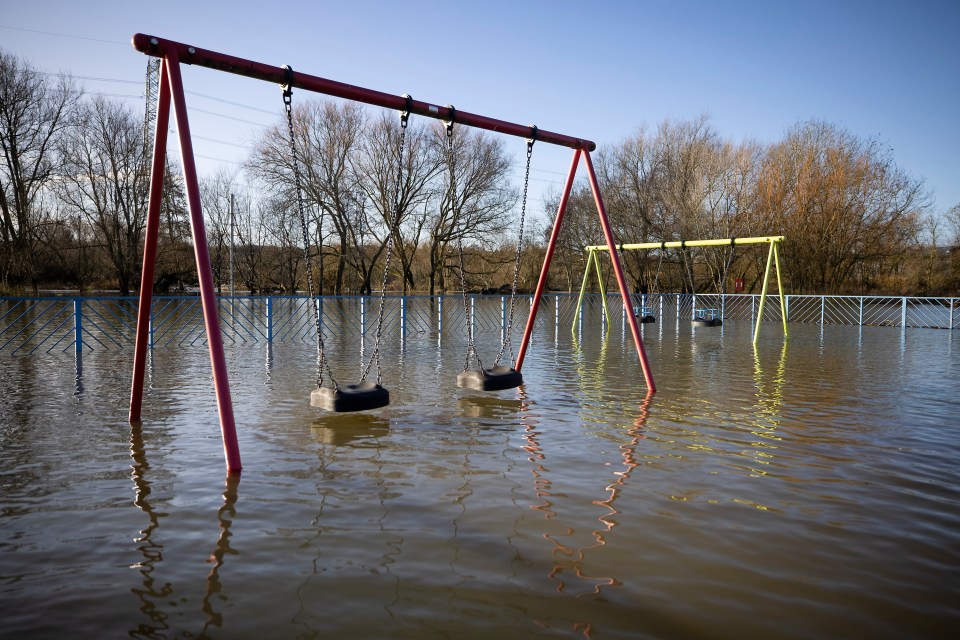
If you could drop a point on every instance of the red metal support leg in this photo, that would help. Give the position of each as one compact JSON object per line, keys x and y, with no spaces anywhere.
{"x":208,"y":296}
{"x":618,"y":271}
{"x":150,"y":244}
{"x":542,"y":282}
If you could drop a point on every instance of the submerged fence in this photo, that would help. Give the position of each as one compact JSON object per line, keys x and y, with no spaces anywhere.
{"x":45,"y":324}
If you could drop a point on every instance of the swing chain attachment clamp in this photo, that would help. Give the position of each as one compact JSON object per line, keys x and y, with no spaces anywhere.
{"x":448,"y":124}
{"x":287,"y":85}
{"x":531,"y":140}
{"x":407,"y":109}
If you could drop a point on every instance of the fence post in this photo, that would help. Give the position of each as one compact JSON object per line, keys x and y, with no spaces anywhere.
{"x":753,"y":307}
{"x":150,"y":326}
{"x":903,"y":313}
{"x":363,"y":316}
{"x":78,"y":324}
{"x":860,"y":319}
{"x":678,"y":307}
{"x":786,"y":303}
{"x":473,"y":327}
{"x":823,"y":307}
{"x":950,"y":322}
{"x":403,"y":317}
{"x":439,"y":315}
{"x":269,"y":319}
{"x":556,"y":310}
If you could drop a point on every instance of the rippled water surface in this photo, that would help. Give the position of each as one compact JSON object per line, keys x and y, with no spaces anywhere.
{"x":799,"y":490}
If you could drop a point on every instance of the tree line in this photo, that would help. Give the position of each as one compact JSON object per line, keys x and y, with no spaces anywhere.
{"x":74,"y":183}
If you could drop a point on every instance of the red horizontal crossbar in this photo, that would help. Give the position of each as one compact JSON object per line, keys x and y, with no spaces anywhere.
{"x":153,"y":46}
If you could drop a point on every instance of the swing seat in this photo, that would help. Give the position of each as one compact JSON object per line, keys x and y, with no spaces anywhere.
{"x":493,"y":379}
{"x":707,"y":322}
{"x":644,"y":314}
{"x":707,"y":318}
{"x":362,"y":396}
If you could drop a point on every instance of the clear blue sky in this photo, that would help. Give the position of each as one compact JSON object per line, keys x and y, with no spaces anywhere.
{"x":596,"y":70}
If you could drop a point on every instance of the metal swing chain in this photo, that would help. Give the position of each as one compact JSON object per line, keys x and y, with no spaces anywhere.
{"x":451,"y":161}
{"x":656,"y":278}
{"x":321,"y":351}
{"x":375,"y":356}
{"x":726,"y":267}
{"x":506,"y":343}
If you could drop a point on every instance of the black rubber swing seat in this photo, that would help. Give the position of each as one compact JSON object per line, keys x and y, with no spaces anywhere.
{"x":492,"y":379}
{"x":647,"y":319}
{"x":362,"y":396}
{"x":707,"y":322}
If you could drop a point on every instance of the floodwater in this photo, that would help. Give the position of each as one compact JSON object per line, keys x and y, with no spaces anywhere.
{"x":800,"y":490}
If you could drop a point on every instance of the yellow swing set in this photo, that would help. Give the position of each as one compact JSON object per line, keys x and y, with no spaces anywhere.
{"x":773,"y":257}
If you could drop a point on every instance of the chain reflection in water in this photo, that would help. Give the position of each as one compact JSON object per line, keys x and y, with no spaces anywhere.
{"x":355,"y":432}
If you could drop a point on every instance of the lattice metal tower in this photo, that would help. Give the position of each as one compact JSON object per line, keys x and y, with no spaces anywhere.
{"x":150,"y":113}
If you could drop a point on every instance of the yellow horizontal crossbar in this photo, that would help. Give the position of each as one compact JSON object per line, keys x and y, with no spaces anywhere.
{"x":676,"y":244}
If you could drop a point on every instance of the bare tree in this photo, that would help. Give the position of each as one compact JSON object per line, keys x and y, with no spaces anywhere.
{"x":682,"y":182}
{"x":176,"y":262}
{"x":253,"y":237}
{"x":106,"y":181}
{"x":475,"y":212}
{"x":952,"y":218}
{"x":34,"y":110}
{"x":219,"y":194}
{"x":325,"y":134}
{"x":843,"y":204}
{"x":581,"y":227}
{"x":378,"y":169}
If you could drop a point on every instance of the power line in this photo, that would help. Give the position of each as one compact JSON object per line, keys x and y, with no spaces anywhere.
{"x":235,"y":104}
{"x":62,"y":35}
{"x":95,"y":79}
{"x":556,"y":173}
{"x":205,"y":157}
{"x":232,"y":144}
{"x":221,"y":115}
{"x":193,"y":93}
{"x":115,"y":95}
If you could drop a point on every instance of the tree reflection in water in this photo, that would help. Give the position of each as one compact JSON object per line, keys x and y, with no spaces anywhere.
{"x":354,"y":432}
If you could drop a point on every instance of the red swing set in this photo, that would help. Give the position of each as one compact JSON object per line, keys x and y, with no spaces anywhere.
{"x":172,"y":54}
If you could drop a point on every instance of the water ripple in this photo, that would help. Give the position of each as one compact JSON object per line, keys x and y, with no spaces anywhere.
{"x":813,"y":481}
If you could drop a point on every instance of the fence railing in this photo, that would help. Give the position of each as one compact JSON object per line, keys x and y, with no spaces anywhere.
{"x":31,"y":324}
